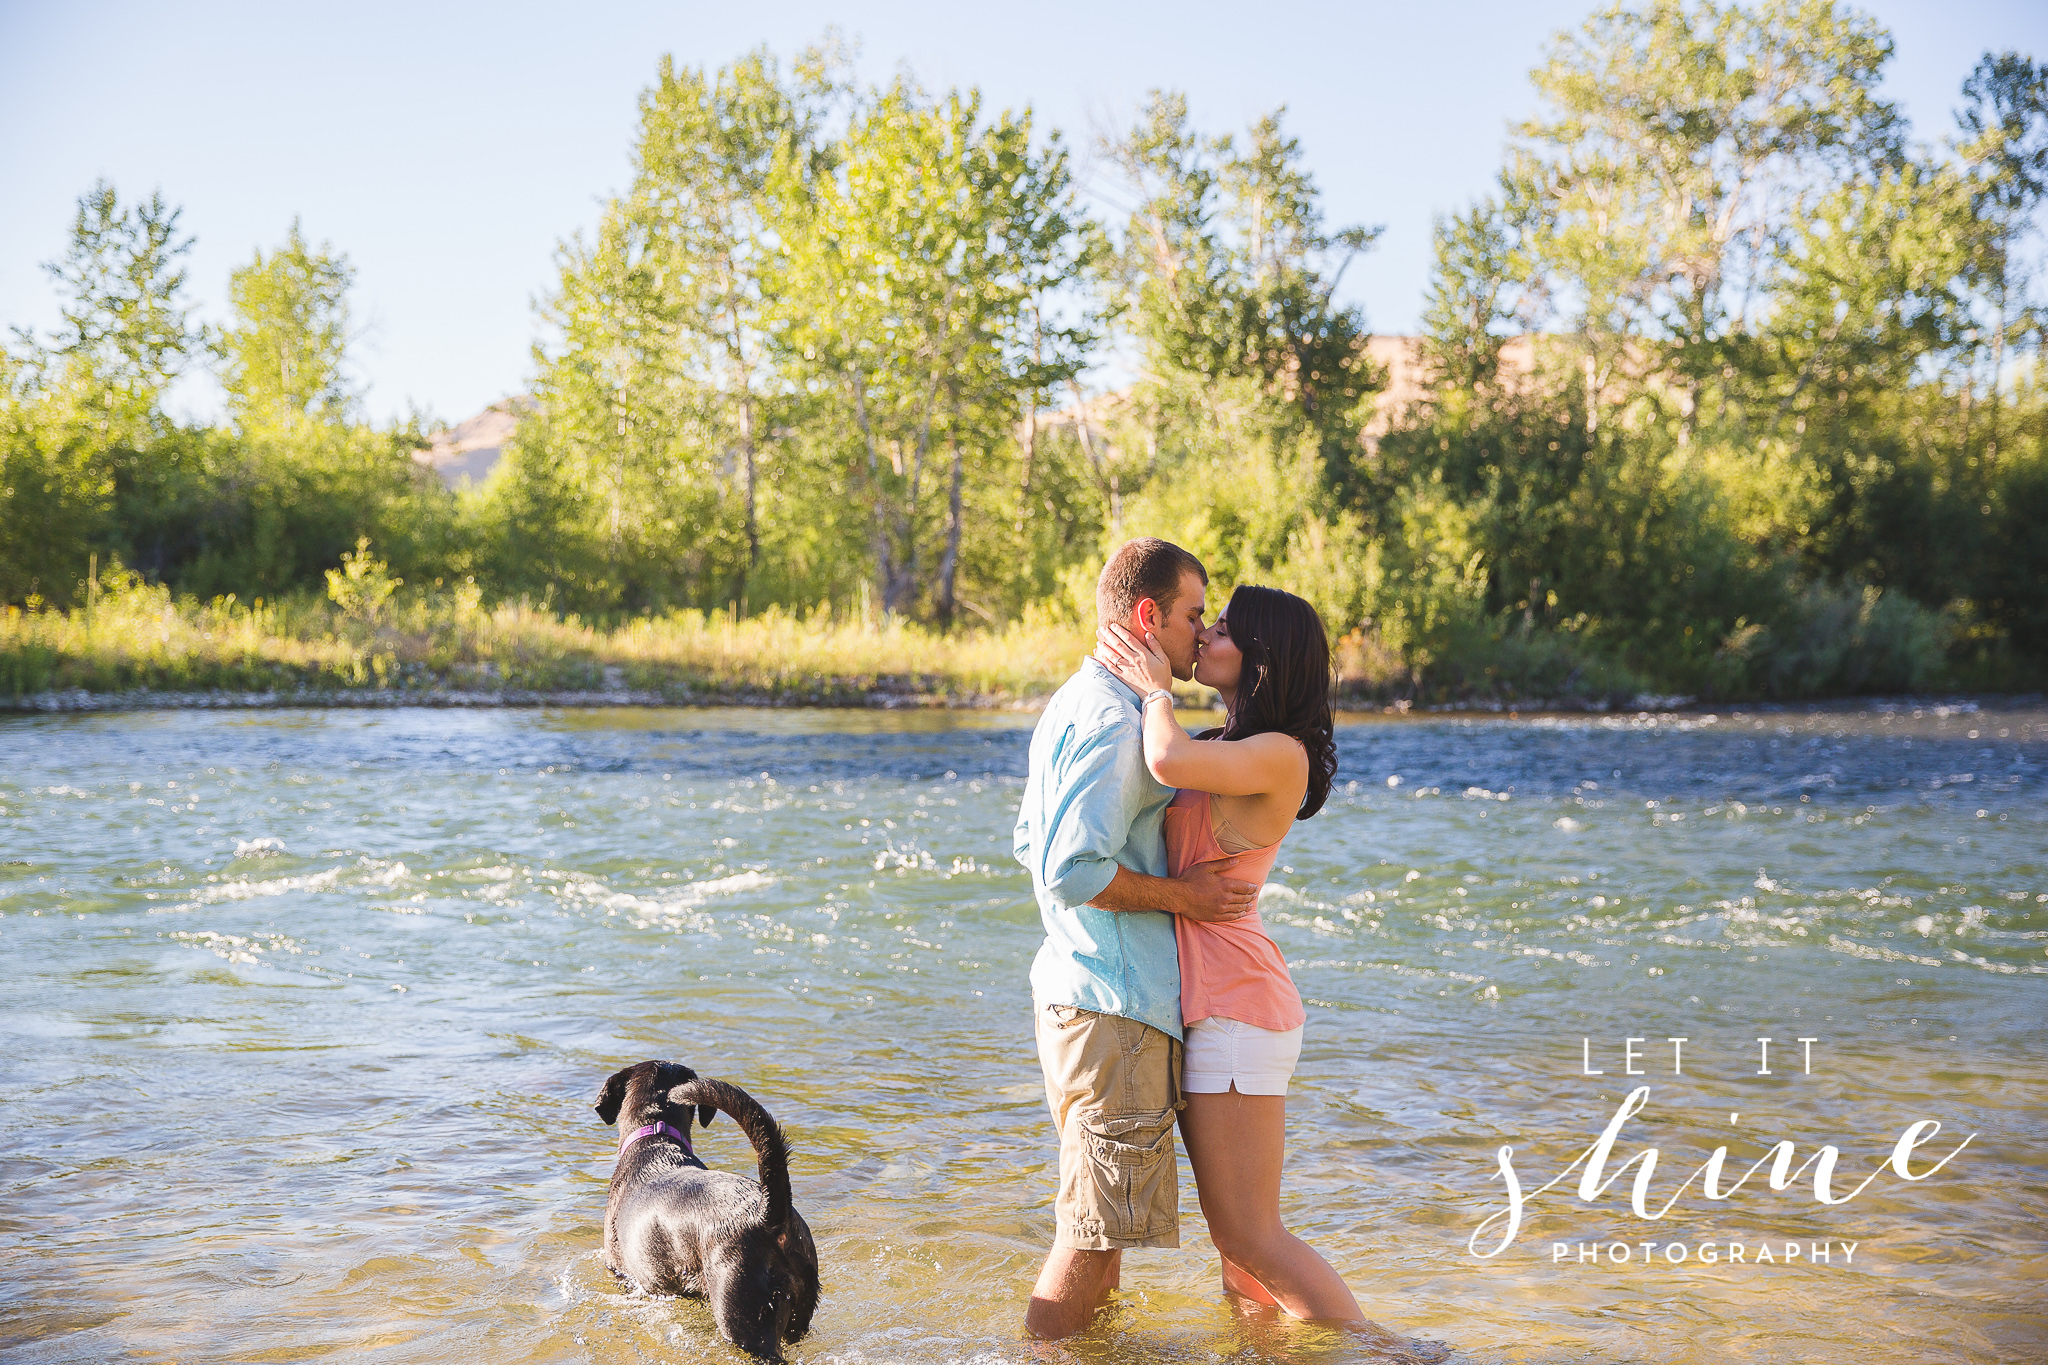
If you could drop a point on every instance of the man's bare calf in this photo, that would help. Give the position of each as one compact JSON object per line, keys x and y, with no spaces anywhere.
{"x":1072,"y":1288}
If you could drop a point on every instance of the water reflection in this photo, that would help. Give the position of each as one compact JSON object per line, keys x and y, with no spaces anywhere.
{"x":305,"y":1012}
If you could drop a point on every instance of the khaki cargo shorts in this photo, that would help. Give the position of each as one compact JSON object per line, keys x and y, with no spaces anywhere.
{"x":1113,"y":1085}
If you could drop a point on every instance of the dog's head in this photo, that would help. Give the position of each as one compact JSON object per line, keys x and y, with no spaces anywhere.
{"x":642,"y":1092}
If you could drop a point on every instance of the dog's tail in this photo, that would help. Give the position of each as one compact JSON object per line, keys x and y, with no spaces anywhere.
{"x":770,"y":1151}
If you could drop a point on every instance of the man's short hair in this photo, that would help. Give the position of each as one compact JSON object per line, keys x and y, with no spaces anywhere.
{"x":1142,"y":568}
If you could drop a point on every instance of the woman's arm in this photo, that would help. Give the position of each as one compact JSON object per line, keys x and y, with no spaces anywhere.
{"x":1247,"y":767}
{"x":1241,"y":767}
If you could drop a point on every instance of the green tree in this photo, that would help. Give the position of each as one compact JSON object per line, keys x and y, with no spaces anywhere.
{"x":2003,"y":136}
{"x":1242,"y":438}
{"x":668,"y":430}
{"x":284,"y":351}
{"x":631,"y":444}
{"x":1307,"y":349}
{"x":1028,"y":246}
{"x":276,"y":500}
{"x":75,"y":410}
{"x":1904,"y":301}
{"x":126,"y":330}
{"x":53,"y":494}
{"x":710,"y":151}
{"x":1183,"y":294}
{"x":1482,"y":281}
{"x":1230,"y":273}
{"x":907,"y":287}
{"x":1779,"y":319}
{"x":1684,"y":142}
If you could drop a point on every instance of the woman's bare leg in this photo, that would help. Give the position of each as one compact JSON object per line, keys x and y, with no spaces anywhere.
{"x":1241,"y":1282}
{"x":1236,"y":1144}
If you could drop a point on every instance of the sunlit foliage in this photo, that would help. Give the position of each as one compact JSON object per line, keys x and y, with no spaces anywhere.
{"x":1731,"y":387}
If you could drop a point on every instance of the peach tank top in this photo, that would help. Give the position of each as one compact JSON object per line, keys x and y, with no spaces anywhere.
{"x":1231,"y":970}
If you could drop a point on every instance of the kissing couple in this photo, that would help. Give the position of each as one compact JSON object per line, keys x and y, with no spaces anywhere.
{"x":1158,"y":995}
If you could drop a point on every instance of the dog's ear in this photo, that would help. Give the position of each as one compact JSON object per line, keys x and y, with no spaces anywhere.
{"x":704,"y":1111}
{"x":684,"y":1075}
{"x":613,"y":1095}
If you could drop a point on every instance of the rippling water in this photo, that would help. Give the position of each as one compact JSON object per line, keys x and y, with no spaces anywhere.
{"x":303,"y":1015}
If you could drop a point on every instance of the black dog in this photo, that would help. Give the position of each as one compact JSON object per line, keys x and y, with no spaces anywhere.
{"x":672,"y":1226}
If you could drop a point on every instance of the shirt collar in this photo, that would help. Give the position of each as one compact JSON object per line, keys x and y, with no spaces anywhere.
{"x":1103,"y":669}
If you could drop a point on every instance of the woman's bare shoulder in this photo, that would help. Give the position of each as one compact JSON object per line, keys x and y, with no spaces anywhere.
{"x":1271,"y":748}
{"x":1275,"y":742}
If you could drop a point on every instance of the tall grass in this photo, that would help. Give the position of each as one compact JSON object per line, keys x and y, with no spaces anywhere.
{"x":372,"y":633}
{"x":136,"y":636}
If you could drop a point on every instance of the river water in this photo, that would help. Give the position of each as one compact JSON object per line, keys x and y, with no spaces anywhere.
{"x":304,"y":1012}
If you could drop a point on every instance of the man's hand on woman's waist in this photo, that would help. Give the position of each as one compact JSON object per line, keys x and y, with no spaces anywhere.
{"x":1203,"y":893}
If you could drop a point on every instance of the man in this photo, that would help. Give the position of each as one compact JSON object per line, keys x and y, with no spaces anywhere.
{"x":1106,"y":983}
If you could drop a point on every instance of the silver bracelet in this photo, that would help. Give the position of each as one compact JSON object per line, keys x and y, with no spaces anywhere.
{"x":1154,"y":695}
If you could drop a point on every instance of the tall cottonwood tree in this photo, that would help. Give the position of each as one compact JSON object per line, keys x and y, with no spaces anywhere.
{"x":1683,"y":143}
{"x":1242,"y":436}
{"x":626,"y":456}
{"x":86,"y":403}
{"x":714,"y":151}
{"x":662,"y":404}
{"x":307,"y":475}
{"x":126,"y":330}
{"x":1483,"y":288}
{"x":907,"y":283}
{"x":2003,"y":146}
{"x":1229,"y":272}
{"x":283,"y":353}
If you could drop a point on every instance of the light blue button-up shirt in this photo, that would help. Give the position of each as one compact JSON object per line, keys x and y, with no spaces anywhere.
{"x":1089,"y":804}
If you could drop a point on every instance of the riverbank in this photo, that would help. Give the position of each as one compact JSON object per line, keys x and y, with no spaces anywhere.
{"x":141,"y":648}
{"x":135,"y":647}
{"x":370,"y":698}
{"x":81,"y":701}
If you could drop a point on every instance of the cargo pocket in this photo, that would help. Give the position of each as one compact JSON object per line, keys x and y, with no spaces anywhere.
{"x":1130,"y":1164}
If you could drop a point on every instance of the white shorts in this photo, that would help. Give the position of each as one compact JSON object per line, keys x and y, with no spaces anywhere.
{"x":1221,"y":1052}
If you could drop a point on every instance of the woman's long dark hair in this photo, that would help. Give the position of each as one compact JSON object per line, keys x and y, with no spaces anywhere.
{"x":1285,"y":685}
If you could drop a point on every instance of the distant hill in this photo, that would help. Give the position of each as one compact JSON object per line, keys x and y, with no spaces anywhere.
{"x":467,"y":452}
{"x":1408,"y":377}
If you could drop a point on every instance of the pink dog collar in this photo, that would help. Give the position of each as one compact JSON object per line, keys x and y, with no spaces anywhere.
{"x":649,"y":1131}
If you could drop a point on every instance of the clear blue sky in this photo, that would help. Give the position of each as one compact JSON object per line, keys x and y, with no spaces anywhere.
{"x":447,"y":148}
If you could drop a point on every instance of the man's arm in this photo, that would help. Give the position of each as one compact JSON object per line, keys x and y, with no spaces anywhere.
{"x":1202,"y":894}
{"x":1077,"y":864}
{"x":1085,"y":820}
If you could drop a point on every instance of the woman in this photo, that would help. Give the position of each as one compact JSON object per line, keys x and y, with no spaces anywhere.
{"x":1242,"y":789}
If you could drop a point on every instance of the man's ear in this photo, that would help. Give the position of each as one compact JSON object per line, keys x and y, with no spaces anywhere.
{"x":613,"y":1095}
{"x":1147,"y":615}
